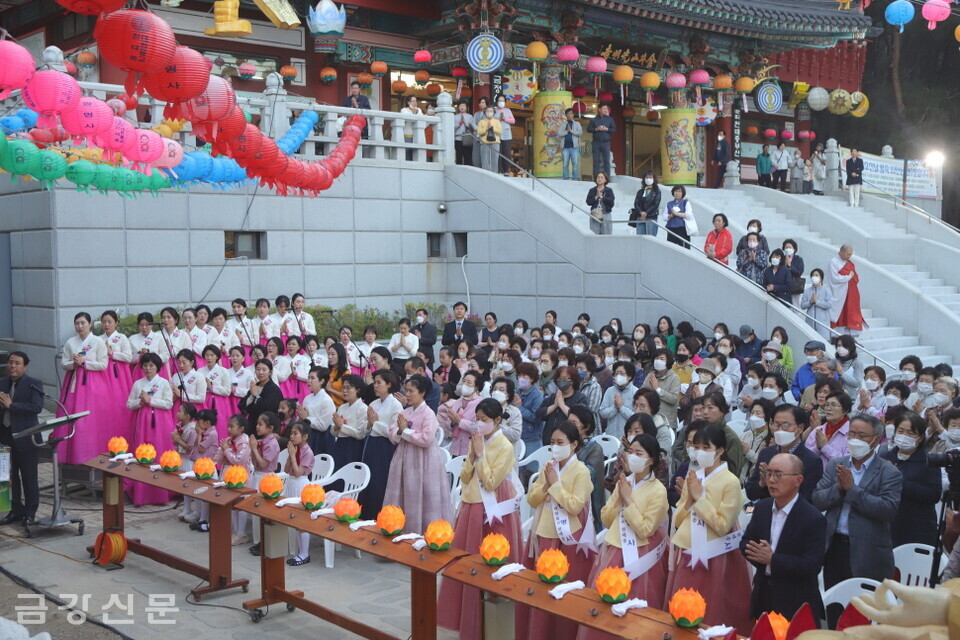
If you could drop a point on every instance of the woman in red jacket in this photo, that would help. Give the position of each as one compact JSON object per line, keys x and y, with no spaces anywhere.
{"x":719,"y":242}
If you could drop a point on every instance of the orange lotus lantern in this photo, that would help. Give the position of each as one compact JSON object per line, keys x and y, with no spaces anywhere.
{"x":313,"y":496}
{"x":434,"y":89}
{"x":235,"y":477}
{"x":687,"y":607}
{"x":495,"y":549}
{"x":170,"y":460}
{"x":779,"y":624}
{"x":439,"y":535}
{"x":117,"y":446}
{"x":399,"y":87}
{"x":204,"y":468}
{"x":145,"y":453}
{"x":271,"y":486}
{"x":391,"y":520}
{"x":613,"y":585}
{"x":552,"y":566}
{"x":422,"y":77}
{"x":288,"y":72}
{"x":378,"y":68}
{"x":365,"y":79}
{"x":347,"y":510}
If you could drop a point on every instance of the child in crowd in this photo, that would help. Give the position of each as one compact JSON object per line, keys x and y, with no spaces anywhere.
{"x":298,"y":467}
{"x":235,"y":451}
{"x":204,"y":447}
{"x":264,"y":452}
{"x":184,"y":436}
{"x":808,"y":176}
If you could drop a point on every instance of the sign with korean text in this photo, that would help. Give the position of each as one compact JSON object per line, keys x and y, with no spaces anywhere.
{"x":886,"y":175}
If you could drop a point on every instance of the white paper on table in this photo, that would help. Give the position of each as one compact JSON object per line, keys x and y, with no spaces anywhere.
{"x":155,"y":467}
{"x":620,"y":609}
{"x":716,"y":631}
{"x":320,"y":512}
{"x":506,"y":570}
{"x":362,"y":523}
{"x":217,"y":485}
{"x":408,"y":536}
{"x":187,"y":474}
{"x":122,"y":456}
{"x":563,"y":589}
{"x":419,"y":544}
{"x":287,"y":501}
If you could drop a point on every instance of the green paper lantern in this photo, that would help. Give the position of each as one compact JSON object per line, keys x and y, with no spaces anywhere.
{"x":3,"y":144}
{"x":21,"y":157}
{"x":82,"y":173}
{"x":157,"y":181}
{"x":108,"y":178}
{"x":53,"y":166}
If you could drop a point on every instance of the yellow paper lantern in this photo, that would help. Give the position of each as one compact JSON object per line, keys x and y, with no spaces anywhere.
{"x":235,"y":477}
{"x":495,"y":549}
{"x":623,"y":73}
{"x":271,"y":486}
{"x":439,"y":535}
{"x":312,"y":496}
{"x":170,"y":460}
{"x":163,"y":130}
{"x":117,"y":445}
{"x":744,"y":85}
{"x":391,"y":520}
{"x":536,"y":51}
{"x":779,"y":624}
{"x":687,"y":607}
{"x":552,"y":566}
{"x":613,"y":585}
{"x":174,"y":124}
{"x":347,"y":510}
{"x":145,"y":453}
{"x":650,"y":81}
{"x":723,"y":82}
{"x":204,"y":468}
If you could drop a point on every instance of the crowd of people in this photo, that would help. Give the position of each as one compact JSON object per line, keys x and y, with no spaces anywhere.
{"x":831,"y":454}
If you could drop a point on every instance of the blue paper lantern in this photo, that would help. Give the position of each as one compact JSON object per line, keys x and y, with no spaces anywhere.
{"x":12,"y":124}
{"x":900,"y":13}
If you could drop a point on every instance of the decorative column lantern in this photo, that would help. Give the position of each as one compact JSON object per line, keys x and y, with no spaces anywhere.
{"x":327,"y":23}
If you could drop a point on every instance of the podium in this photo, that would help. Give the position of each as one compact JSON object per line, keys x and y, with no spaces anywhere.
{"x":583,"y":606}
{"x":424,"y":566}
{"x":221,"y":500}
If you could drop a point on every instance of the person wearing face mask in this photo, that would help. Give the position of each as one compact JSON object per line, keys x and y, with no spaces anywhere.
{"x":817,"y":301}
{"x":781,"y":166}
{"x":503,"y":390}
{"x":530,"y":398}
{"x":751,"y":387}
{"x":757,"y":434}
{"x":870,"y":398}
{"x":683,"y":365}
{"x":916,"y":520}
{"x":795,"y":263}
{"x":617,"y":404}
{"x":507,"y":120}
{"x":601,"y":199}
{"x":427,"y":334}
{"x":639,"y":336}
{"x":735,"y":368}
{"x":860,"y":494}
{"x":796,"y":172}
{"x":787,"y":427}
{"x":591,"y":455}
{"x":549,"y":360}
{"x":777,"y":279}
{"x":910,"y":367}
{"x":774,"y":388}
{"x":556,"y":406}
{"x":843,"y":281}
{"x":457,"y":417}
{"x":488,"y":483}
{"x":771,"y":355}
{"x":812,"y":351}
{"x":635,"y":516}
{"x":560,"y":495}
{"x":603,"y":356}
{"x":707,"y":511}
{"x":937,"y":403}
{"x":754,"y":226}
{"x":665,"y":383}
{"x":719,"y":242}
{"x":850,"y":367}
{"x":830,"y":440}
{"x":646,"y":206}
{"x":704,"y":384}
{"x":490,"y":135}
{"x":949,"y":438}
{"x":589,"y":386}
{"x":752,"y":259}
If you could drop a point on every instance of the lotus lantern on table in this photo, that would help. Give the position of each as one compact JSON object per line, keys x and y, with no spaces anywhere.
{"x":347,"y":510}
{"x":495,"y":549}
{"x":613,"y":585}
{"x":145,"y":453}
{"x":552,"y":566}
{"x":687,"y":607}
{"x":312,"y":497}
{"x":170,"y":460}
{"x":439,"y":535}
{"x":271,"y":486}
{"x":204,"y":468}
{"x":235,"y":477}
{"x":117,"y":445}
{"x":390,"y":520}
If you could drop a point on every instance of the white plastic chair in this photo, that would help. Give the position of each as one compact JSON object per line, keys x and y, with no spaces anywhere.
{"x":355,"y":477}
{"x":843,"y":592}
{"x":601,"y":537}
{"x":525,"y":529}
{"x":914,"y":562}
{"x":609,"y":444}
{"x":453,"y":467}
{"x":440,"y":436}
{"x":541,"y":456}
{"x":322,"y":467}
{"x":282,"y":460}
{"x":519,"y":449}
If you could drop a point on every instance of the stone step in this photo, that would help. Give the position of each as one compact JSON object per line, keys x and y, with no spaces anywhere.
{"x":895,"y":355}
{"x":883,"y":344}
{"x":877,"y":333}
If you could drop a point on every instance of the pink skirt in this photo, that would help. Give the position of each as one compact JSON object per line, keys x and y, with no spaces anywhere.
{"x":91,"y":391}
{"x":459,"y":607}
{"x":152,"y":426}
{"x":224,"y":408}
{"x":293,"y":388}
{"x":725,"y":584}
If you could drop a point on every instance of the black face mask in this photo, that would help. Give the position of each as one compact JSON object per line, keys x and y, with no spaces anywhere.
{"x":563,"y":385}
{"x":682,"y":357}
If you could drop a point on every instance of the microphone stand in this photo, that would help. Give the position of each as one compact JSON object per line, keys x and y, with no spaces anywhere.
{"x":240,"y":318}
{"x":333,"y":314}
{"x":182,"y":386}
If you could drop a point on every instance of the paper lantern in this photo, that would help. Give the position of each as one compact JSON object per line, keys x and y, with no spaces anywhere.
{"x":840,"y":102}
{"x":365,"y":80}
{"x":579,"y":107}
{"x":495,"y":549}
{"x":605,"y":97}
{"x":91,"y":117}
{"x":271,"y":486}
{"x":650,"y":82}
{"x":288,"y":72}
{"x":247,"y":70}
{"x":687,"y":607}
{"x":935,"y":11}
{"x":171,"y":156}
{"x":579,"y":92}
{"x":818,"y":98}
{"x":117,"y":445}
{"x":422,"y":57}
{"x":653,"y":115}
{"x":460,"y":71}
{"x":567,"y":54}
{"x":813,"y":136}
{"x":71,"y":68}
{"x":536,"y":51}
{"x":53,"y":166}
{"x":552,"y":566}
{"x":613,"y":585}
{"x":17,"y":67}
{"x":752,"y":130}
{"x":20,"y":158}
{"x":623,"y":74}
{"x":143,"y":147}
{"x":466,"y":92}
{"x":92,"y":7}
{"x":328,"y":75}
{"x":312,"y":497}
{"x":204,"y":468}
{"x":235,"y":477}
{"x":723,"y":82}
{"x":116,"y":139}
{"x":421,"y":77}
{"x":629,"y":114}
{"x":899,"y":13}
{"x":215,"y":103}
{"x":803,"y":135}
{"x":170,"y":459}
{"x":391,"y":520}
{"x":399,"y":87}
{"x":136,"y":41}
{"x":107,"y":179}
{"x":439,"y":535}
{"x":87,"y":59}
{"x":186,"y":76}
{"x":117,"y":106}
{"x":378,"y":68}
{"x":786,"y":134}
{"x":676,"y":81}
{"x":81,"y":173}
{"x":145,"y":453}
{"x":769,"y":134}
{"x":347,"y":510}
{"x":434,"y":89}
{"x":51,"y":93}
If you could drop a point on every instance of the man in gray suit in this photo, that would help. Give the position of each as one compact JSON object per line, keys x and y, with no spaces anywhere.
{"x":860,"y":494}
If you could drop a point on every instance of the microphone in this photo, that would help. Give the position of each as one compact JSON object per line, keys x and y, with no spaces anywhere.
{"x":326,"y":311}
{"x":156,"y":324}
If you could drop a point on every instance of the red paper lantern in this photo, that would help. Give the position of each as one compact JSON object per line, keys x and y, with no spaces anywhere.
{"x":71,"y":68}
{"x":460,"y":72}
{"x":92,"y":7}
{"x":215,"y":103}
{"x":803,"y":135}
{"x":185,"y":77}
{"x":653,"y":115}
{"x":422,"y":57}
{"x":229,"y":128}
{"x":752,"y":130}
{"x":605,"y":96}
{"x":51,"y":93}
{"x":136,"y":41}
{"x":769,"y":134}
{"x":246,"y":146}
{"x":813,"y":136}
{"x":129,"y":101}
{"x":434,"y":89}
{"x":579,"y":92}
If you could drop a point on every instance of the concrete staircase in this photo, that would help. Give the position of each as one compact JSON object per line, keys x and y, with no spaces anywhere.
{"x":891,"y":344}
{"x":946,"y":294}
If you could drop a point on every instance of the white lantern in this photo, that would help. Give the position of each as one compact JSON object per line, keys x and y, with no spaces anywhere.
{"x":818,"y":98}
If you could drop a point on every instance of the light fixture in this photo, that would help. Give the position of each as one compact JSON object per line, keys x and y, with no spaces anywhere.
{"x":934,"y":159}
{"x":659,"y":107}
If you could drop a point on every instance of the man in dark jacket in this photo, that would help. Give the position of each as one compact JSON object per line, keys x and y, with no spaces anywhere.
{"x":427,"y":333}
{"x":601,"y":127}
{"x":854,"y":167}
{"x":721,"y":156}
{"x":789,"y":423}
{"x":785,"y":541}
{"x":21,"y":401}
{"x":357,"y":100}
{"x":459,"y":329}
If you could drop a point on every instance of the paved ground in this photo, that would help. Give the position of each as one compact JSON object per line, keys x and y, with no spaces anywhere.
{"x":55,"y":562}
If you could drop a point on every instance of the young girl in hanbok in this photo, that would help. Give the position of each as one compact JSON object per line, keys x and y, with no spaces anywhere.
{"x":299,"y":464}
{"x":184,"y":437}
{"x":151,"y":400}
{"x":205,"y":447}
{"x":235,"y":450}
{"x":302,"y":321}
{"x":265,"y":451}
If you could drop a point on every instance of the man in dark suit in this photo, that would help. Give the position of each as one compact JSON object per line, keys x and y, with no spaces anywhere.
{"x":721,"y":156}
{"x":789,"y":423}
{"x":21,"y":401}
{"x":427,"y":333}
{"x":357,"y":100}
{"x":785,"y":541}
{"x":459,"y":329}
{"x":860,"y":494}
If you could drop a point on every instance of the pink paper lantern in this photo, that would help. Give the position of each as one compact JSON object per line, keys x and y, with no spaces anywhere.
{"x":143,"y":147}
{"x":172,"y":155}
{"x":116,"y":138}
{"x":118,"y":106}
{"x":786,"y":134}
{"x":215,"y":103}
{"x":700,"y":77}
{"x":935,"y":11}
{"x":803,"y":135}
{"x":567,"y":54}
{"x":92,"y":117}
{"x":247,"y":70}
{"x":676,"y":81}
{"x":17,"y":67}
{"x":423,"y":57}
{"x":596,"y":65}
{"x":769,"y":134}
{"x":51,"y":93}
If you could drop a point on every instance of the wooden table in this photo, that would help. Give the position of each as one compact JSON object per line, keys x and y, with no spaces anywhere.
{"x":218,"y":574}
{"x":424,"y":567}
{"x":583,"y":606}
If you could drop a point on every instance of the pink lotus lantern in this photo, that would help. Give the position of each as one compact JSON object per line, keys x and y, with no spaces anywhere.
{"x":422,"y":58}
{"x":596,"y":67}
{"x":935,"y":11}
{"x":51,"y":93}
{"x":769,"y":134}
{"x":803,"y":135}
{"x":700,"y":78}
{"x":17,"y":67}
{"x":143,"y":148}
{"x":567,"y":55}
{"x":676,"y":83}
{"x":247,"y":70}
{"x":786,"y":134}
{"x":92,"y":117}
{"x":118,"y":135}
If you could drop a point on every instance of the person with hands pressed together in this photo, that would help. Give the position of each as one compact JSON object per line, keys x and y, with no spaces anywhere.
{"x":789,"y":423}
{"x":264,"y":453}
{"x":378,"y":450}
{"x":785,"y":541}
{"x":916,"y":520}
{"x":403,"y":345}
{"x":665,"y":383}
{"x":205,"y":445}
{"x":830,"y":439}
{"x":617,"y":404}
{"x":317,"y":409}
{"x":299,"y":464}
{"x":150,"y":400}
{"x":350,"y":426}
{"x":263,"y":393}
{"x":235,"y":449}
{"x":556,"y":406}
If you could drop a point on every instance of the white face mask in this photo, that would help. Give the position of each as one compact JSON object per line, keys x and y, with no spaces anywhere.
{"x":563,"y":344}
{"x":499,"y":396}
{"x":953,"y":436}
{"x":501,"y":104}
{"x":717,"y":336}
{"x":752,"y":229}
{"x":705,"y":459}
{"x":560,"y":452}
{"x":466,"y":390}
{"x":770,"y":394}
{"x":577,"y":349}
{"x":546,"y":367}
{"x":648,"y":181}
{"x":784,"y":438}
{"x":753,"y":383}
{"x":605,"y":339}
{"x":891,"y":430}
{"x":620,"y":380}
{"x":775,"y":262}
{"x":908,"y":375}
{"x":815,"y":279}
{"x":660,"y":365}
{"x":724,"y":350}
{"x":421,"y":319}
{"x":637,"y":463}
{"x":563,"y":363}
{"x":756,"y":422}
{"x":811,"y":359}
{"x":892,"y":400}
{"x":609,"y":360}
{"x":871,"y":384}
{"x":518,"y":331}
{"x":937,"y":399}
{"x":502,"y":345}
{"x":925,"y":388}
{"x":789,"y":251}
{"x":753,"y":245}
{"x":548,"y":336}
{"x":692,"y":455}
{"x":485,"y":428}
{"x":638,"y":335}
{"x":705,"y":379}
{"x":769,"y":355}
{"x":843,"y":352}
{"x":858,"y":448}
{"x":506,"y":366}
{"x":905,"y":442}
